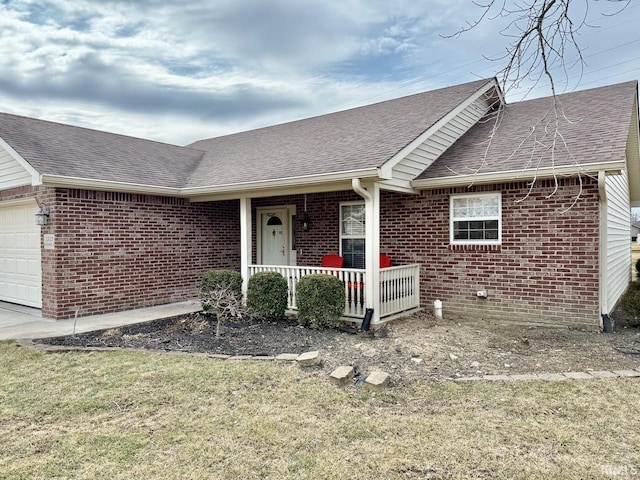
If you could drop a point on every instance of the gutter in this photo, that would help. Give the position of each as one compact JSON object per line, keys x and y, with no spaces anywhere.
{"x":237,"y":189}
{"x":612,"y":168}
{"x":108,"y":185}
{"x":282,"y":182}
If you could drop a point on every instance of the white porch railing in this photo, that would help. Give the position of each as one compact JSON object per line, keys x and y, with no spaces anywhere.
{"x":399,"y":289}
{"x":399,"y":286}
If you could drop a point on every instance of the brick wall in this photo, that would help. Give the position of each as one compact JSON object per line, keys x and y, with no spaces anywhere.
{"x":117,"y":251}
{"x":323,"y":237}
{"x":545,"y":270}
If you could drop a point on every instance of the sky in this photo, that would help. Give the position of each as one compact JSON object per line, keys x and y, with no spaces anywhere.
{"x":181,"y":71}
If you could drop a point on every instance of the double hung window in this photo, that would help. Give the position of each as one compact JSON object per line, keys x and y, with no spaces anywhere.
{"x":352,"y":234}
{"x":476,"y":219}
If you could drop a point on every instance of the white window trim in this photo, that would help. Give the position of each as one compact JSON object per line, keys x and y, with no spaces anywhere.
{"x":364,"y":236}
{"x":475,"y":242}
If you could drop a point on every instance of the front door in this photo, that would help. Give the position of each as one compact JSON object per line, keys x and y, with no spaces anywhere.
{"x":275,"y":237}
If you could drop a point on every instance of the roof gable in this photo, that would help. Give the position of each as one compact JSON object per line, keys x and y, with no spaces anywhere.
{"x":593,"y":128}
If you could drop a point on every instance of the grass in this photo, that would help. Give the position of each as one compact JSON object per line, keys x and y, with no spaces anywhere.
{"x":120,"y":415}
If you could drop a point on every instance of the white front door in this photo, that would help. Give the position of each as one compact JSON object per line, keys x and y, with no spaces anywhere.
{"x":275,"y":237}
{"x":20,"y":267}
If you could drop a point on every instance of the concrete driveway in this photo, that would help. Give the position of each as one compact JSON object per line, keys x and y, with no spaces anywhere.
{"x":24,"y":322}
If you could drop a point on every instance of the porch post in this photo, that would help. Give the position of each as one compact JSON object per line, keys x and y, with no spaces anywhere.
{"x":245,"y":242}
{"x":372,"y":252}
{"x":371,"y":197}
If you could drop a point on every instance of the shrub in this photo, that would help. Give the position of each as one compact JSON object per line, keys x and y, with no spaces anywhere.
{"x":320,"y":300}
{"x":267,"y":294}
{"x":221,"y":295}
{"x":627,"y":311}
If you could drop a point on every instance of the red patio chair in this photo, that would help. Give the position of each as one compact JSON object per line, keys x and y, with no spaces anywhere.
{"x":385,"y":261}
{"x":332,"y":261}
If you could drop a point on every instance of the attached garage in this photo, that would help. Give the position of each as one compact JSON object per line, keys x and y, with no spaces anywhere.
{"x":20,"y":267}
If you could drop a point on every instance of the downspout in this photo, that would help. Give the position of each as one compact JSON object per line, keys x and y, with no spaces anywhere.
{"x":605,"y":320}
{"x":357,"y":187}
{"x":372,"y":252}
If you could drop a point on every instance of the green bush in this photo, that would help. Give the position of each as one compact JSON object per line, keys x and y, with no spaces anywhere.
{"x":222,"y":279}
{"x":627,"y":311}
{"x":320,"y":300}
{"x":267,"y":294}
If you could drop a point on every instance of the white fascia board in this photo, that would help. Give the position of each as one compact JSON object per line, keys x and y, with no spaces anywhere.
{"x":402,"y":186}
{"x":610,"y":168}
{"x":91,"y":184}
{"x":387,"y":168}
{"x":35,"y":176}
{"x":242,"y":188}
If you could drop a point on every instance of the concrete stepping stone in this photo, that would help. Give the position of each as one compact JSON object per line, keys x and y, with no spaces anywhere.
{"x":342,"y":375}
{"x":309,"y":359}
{"x":377,"y":381}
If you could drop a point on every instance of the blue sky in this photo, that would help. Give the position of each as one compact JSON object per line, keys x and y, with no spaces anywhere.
{"x":182,"y":71}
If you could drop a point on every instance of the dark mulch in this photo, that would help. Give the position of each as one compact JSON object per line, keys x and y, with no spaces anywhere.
{"x":196,"y":333}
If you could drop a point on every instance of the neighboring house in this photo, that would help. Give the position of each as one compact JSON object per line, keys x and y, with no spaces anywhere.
{"x":635,"y":229}
{"x":498,"y":220}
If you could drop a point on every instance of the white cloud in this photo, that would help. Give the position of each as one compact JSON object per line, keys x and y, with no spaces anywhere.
{"x":181,"y":71}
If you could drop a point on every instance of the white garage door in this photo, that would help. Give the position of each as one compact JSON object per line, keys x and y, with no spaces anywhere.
{"x":20,"y":267}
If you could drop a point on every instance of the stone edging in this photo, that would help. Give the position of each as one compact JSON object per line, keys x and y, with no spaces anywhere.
{"x":314,"y":358}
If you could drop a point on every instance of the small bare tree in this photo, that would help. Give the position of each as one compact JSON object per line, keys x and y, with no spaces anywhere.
{"x":224,"y":303}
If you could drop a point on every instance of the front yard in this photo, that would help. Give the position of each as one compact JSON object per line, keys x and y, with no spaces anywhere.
{"x":120,"y":415}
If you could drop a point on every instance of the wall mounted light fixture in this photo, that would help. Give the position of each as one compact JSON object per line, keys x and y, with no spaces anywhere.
{"x":306,"y":220}
{"x":42,"y":217}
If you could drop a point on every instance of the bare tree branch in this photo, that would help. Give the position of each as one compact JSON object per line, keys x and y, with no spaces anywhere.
{"x":543,"y":40}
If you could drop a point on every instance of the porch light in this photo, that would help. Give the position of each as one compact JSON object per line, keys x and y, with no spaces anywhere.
{"x":306,"y":222}
{"x":42,"y":217}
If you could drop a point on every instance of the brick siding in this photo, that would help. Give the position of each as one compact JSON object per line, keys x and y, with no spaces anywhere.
{"x":118,"y":251}
{"x":323,"y":236}
{"x":544,"y":271}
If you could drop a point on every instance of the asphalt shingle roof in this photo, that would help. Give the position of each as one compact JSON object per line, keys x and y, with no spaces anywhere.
{"x":57,"y":149}
{"x":594,"y":126}
{"x":354,"y":139}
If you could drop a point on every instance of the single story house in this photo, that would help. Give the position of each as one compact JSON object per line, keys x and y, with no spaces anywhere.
{"x":514,"y":211}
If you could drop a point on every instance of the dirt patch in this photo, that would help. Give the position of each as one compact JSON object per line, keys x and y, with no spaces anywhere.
{"x":411,"y":348}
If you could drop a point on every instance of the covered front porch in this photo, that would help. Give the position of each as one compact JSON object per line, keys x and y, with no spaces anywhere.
{"x":289,"y":232}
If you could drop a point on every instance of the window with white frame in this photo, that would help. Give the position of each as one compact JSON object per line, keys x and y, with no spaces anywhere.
{"x":352,"y":234}
{"x":476,"y":218}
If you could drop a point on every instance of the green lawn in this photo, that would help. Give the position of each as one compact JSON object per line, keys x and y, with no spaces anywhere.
{"x":135,"y":415}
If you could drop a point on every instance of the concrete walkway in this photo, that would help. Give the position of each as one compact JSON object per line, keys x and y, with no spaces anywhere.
{"x":24,"y":322}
